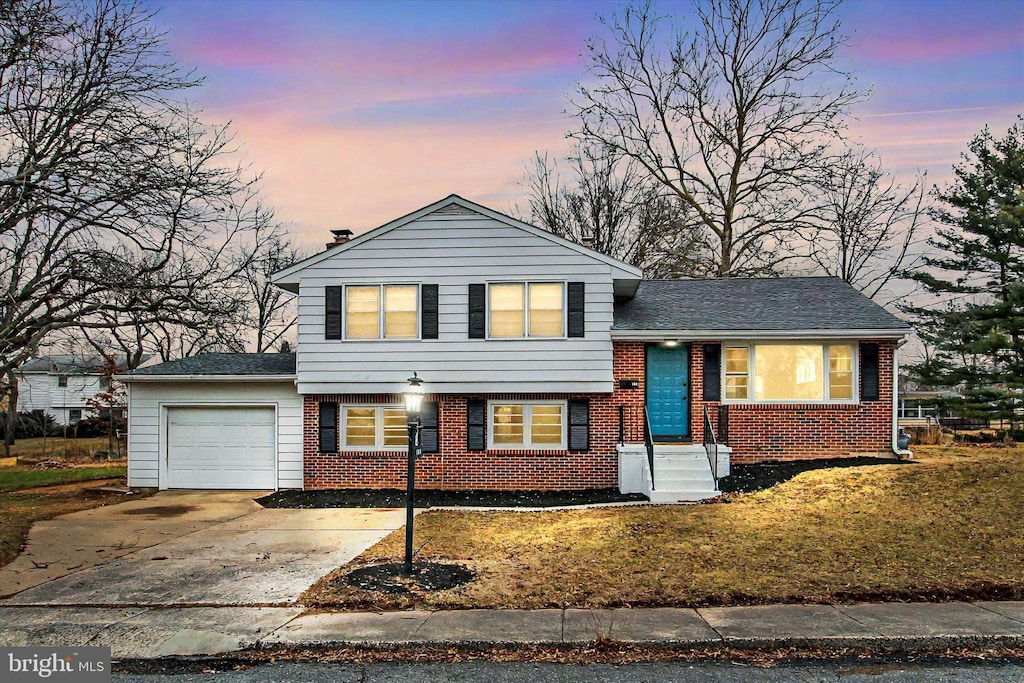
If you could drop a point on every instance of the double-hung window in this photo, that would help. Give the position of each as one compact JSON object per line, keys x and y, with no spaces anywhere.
{"x":526,"y":309}
{"x":804,"y":372}
{"x":381,"y":311}
{"x":373,"y":427}
{"x":527,"y":425}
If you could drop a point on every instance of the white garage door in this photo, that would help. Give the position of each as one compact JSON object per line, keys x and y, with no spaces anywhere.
{"x":225,"y":447}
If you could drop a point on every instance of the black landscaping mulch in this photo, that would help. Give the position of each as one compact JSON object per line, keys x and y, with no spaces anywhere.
{"x":742,"y":479}
{"x":763,"y":475}
{"x":393,"y":498}
{"x":426,"y":576}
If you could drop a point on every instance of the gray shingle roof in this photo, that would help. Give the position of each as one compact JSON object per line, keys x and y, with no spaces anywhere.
{"x":225,"y":364}
{"x":69,"y":364}
{"x":734,"y":304}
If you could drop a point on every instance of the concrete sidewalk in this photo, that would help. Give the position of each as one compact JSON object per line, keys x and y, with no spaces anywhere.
{"x":153,"y":632}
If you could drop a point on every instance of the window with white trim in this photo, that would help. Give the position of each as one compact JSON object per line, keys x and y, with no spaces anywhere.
{"x":381,"y":311}
{"x":373,"y":427}
{"x":804,"y":372}
{"x":526,"y":309}
{"x":527,"y":425}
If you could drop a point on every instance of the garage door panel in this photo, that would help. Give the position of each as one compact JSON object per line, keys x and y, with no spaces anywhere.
{"x":225,"y":447}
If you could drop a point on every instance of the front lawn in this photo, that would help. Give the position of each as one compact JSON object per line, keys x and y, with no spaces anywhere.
{"x":58,"y":448}
{"x":12,"y":478}
{"x":19,"y":509}
{"x":948,"y":526}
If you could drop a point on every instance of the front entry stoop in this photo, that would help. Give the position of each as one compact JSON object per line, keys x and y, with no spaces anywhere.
{"x":682,"y":474}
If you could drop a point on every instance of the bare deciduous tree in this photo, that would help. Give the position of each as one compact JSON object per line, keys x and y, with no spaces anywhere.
{"x":868,"y":226}
{"x":616,"y":209}
{"x":731,"y":112}
{"x":272,"y":311}
{"x":116,"y":204}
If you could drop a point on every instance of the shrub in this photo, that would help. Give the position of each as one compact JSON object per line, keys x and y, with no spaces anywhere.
{"x":925,"y":435}
{"x":34,"y":424}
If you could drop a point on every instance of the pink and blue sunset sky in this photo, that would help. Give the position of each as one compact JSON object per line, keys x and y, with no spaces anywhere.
{"x":359,"y":112}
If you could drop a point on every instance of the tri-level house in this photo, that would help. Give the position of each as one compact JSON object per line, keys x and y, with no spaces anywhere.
{"x":546,"y":365}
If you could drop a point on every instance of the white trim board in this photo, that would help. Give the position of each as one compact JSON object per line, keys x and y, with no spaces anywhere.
{"x":756,"y":335}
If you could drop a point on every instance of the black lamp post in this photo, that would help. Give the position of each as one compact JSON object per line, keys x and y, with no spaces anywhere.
{"x":413,"y":402}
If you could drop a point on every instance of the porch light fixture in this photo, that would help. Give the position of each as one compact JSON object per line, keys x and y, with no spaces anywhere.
{"x":413,"y":403}
{"x":413,"y":398}
{"x":670,"y":343}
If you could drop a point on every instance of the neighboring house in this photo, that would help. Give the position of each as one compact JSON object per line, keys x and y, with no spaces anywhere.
{"x":61,"y":385}
{"x":546,"y":365}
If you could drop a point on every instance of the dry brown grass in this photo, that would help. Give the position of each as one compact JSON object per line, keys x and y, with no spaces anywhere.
{"x":948,"y":526}
{"x":19,"y":509}
{"x":58,"y":448}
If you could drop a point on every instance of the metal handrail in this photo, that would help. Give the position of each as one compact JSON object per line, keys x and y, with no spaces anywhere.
{"x":711,"y":445}
{"x":649,"y":444}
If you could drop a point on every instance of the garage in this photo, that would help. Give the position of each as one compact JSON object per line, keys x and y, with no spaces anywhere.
{"x":215,"y":421}
{"x":222,"y":447}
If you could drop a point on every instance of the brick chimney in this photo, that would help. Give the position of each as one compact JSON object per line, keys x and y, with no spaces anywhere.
{"x":341,"y":236}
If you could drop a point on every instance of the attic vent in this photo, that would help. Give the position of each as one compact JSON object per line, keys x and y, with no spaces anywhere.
{"x":454,"y":210}
{"x":341,"y":236}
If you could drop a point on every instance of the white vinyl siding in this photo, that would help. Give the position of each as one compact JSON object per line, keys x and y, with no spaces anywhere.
{"x":147,"y":423}
{"x":454,"y":251}
{"x":40,"y":391}
{"x":787,"y":372}
{"x":535,"y":425}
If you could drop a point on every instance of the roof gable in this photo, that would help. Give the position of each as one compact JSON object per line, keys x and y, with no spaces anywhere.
{"x":452,"y":205}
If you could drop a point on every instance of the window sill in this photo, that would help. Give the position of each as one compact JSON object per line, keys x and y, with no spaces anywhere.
{"x":527,"y":450}
{"x":792,"y":404}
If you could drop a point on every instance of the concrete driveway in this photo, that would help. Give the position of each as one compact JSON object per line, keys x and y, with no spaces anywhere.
{"x":215,"y":548}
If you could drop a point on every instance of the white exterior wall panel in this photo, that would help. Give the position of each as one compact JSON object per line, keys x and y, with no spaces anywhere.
{"x":147,"y":423}
{"x":453,"y":251}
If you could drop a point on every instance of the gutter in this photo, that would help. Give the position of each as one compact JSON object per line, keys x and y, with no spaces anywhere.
{"x":128,"y":378}
{"x":709,"y":335}
{"x":899,"y":452}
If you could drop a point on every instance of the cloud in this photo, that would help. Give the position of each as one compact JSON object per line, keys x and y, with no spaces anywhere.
{"x":359,"y":177}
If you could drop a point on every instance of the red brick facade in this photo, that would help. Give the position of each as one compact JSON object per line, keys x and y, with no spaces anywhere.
{"x":802,"y":431}
{"x":756,"y":432}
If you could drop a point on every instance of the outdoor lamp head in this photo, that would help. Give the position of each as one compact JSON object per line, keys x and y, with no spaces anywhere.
{"x":413,"y":397}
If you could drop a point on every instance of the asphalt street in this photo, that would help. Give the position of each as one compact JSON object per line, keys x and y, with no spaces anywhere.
{"x":681,"y":672}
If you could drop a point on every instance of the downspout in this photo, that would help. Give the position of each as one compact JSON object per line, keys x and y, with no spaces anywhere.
{"x":899,"y":452}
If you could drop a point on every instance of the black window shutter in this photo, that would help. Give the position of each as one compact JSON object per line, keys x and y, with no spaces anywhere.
{"x":712,"y":372}
{"x":579,"y":425}
{"x":477,"y":311}
{"x":869,"y":372}
{"x":577,"y":309}
{"x":332,"y":313}
{"x":476,"y":424}
{"x":428,"y":427}
{"x":428,"y":314}
{"x":328,"y":427}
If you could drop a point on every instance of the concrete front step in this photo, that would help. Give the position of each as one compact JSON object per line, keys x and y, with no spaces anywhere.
{"x":681,"y":495}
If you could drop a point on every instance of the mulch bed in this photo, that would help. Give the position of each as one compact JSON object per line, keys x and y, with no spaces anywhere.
{"x":426,"y":576}
{"x":742,"y":479}
{"x":393,"y":498}
{"x":763,"y":475}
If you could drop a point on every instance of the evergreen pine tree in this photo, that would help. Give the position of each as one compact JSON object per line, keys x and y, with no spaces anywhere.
{"x":977,"y":271}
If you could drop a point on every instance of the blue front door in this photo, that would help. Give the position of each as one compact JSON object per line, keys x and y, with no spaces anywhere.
{"x":668,"y":392}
